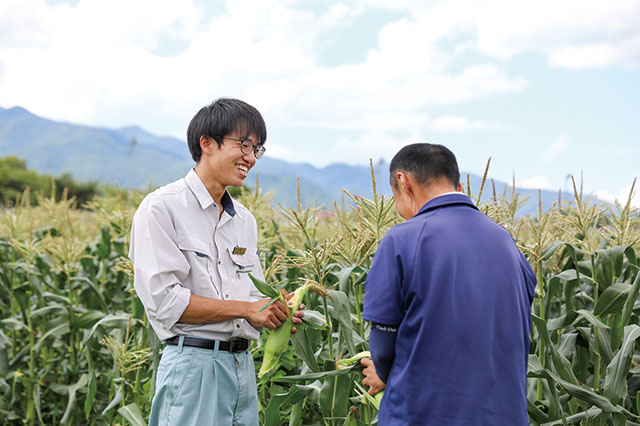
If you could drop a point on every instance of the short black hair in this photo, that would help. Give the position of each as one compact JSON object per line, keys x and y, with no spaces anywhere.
{"x":425,"y":162}
{"x":222,"y":117}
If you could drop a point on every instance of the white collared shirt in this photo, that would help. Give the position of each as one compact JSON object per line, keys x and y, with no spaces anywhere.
{"x":180,"y":245}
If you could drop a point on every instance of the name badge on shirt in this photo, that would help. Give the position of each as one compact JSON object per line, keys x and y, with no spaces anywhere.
{"x":239,"y":250}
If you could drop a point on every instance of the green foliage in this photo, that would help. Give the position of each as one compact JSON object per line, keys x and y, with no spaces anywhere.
{"x":16,"y":181}
{"x":76,"y":347}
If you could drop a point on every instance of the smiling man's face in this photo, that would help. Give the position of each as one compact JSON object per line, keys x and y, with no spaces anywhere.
{"x":228,"y":165}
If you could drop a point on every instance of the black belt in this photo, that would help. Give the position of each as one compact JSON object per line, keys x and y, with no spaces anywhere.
{"x":234,"y":345}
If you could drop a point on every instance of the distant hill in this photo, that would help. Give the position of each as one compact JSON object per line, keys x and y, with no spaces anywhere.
{"x":132,"y":156}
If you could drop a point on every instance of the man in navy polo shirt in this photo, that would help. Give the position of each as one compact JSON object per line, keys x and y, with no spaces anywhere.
{"x":449,"y":298}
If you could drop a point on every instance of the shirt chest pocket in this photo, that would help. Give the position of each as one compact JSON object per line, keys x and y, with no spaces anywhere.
{"x":243,"y":263}
{"x":198,"y":254}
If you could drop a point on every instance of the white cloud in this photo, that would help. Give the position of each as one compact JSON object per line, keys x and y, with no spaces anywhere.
{"x":622,"y":196}
{"x":560,"y":144}
{"x":572,"y":33}
{"x":536,"y":182}
{"x":100,"y":60}
{"x":605,"y":196}
{"x":358,"y":150}
{"x":567,"y":31}
{"x":449,"y":123}
{"x":99,"y":63}
{"x":281,"y":152}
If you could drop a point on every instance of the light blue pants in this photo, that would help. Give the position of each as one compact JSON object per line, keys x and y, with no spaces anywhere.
{"x":203,"y":387}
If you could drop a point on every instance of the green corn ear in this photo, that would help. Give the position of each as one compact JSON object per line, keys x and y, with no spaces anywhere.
{"x":348,"y":362}
{"x":274,"y":348}
{"x":378,"y":399}
{"x":278,"y":339}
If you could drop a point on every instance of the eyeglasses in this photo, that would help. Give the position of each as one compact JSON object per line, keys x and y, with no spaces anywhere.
{"x":246,"y":147}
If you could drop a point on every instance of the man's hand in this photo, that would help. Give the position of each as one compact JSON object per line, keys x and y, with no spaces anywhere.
{"x":271,"y":317}
{"x":297,"y":315}
{"x":371,"y":379}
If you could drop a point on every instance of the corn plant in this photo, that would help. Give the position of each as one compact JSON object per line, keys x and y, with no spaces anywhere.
{"x":76,"y":347}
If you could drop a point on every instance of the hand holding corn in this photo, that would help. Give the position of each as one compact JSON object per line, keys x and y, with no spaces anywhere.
{"x":278,"y":340}
{"x":297,"y":316}
{"x":270,"y":317}
{"x":371,"y":378}
{"x":273,"y":315}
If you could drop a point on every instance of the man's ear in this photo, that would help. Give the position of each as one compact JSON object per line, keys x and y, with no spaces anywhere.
{"x":459,"y":187}
{"x":403,"y":182}
{"x":205,"y":143}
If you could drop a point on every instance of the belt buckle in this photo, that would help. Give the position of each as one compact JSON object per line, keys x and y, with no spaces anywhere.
{"x":235,"y":345}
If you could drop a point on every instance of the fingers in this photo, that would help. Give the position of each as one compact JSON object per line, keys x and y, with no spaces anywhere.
{"x":294,"y":330}
{"x":273,"y":321}
{"x":367,"y":362}
{"x":279,"y":310}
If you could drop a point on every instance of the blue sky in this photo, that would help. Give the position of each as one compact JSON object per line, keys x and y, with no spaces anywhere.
{"x":547,"y":89}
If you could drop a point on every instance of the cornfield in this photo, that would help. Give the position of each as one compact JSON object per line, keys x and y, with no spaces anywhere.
{"x":76,"y":347}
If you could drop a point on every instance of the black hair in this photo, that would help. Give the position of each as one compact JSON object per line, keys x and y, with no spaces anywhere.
{"x":222,"y":117}
{"x":425,"y":162}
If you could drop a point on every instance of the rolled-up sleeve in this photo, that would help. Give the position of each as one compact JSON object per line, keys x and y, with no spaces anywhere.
{"x":159,"y":265}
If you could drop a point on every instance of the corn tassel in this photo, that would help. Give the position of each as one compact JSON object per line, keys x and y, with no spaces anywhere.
{"x":278,"y":339}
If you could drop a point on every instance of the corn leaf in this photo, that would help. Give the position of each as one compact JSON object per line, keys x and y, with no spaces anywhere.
{"x":92,"y":386}
{"x":92,"y":285}
{"x":314,"y":319}
{"x":612,"y":299}
{"x":561,"y":364}
{"x":114,"y":402}
{"x":49,"y":309}
{"x":312,"y":391}
{"x":87,"y":320}
{"x":344,"y":276}
{"x":120,"y":320}
{"x":312,"y":376}
{"x":57,"y":331}
{"x":132,"y":414}
{"x":37,"y":399}
{"x":549,"y":251}
{"x":334,"y":394}
{"x":70,"y":390}
{"x":304,"y":349}
{"x":537,"y":415}
{"x":632,"y":297}
{"x":272,"y":412}
{"x":615,"y":385}
{"x":13,"y":324}
{"x":555,"y":408}
{"x":271,"y":302}
{"x":580,"y":392}
{"x":264,"y":288}
{"x":339,"y":309}
{"x":589,"y":414}
{"x":603,"y":343}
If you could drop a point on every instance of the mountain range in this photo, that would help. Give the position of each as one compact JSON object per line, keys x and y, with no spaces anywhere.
{"x":132,"y":156}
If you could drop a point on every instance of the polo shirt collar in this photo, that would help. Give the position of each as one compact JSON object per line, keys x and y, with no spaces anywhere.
{"x":448,"y":199}
{"x":204,"y":198}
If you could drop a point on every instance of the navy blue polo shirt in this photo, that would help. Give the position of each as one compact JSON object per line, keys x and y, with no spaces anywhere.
{"x":459,"y":292}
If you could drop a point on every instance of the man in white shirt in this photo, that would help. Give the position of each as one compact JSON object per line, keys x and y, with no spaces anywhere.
{"x":193,"y":247}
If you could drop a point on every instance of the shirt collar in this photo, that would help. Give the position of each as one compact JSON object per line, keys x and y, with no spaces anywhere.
{"x":227,"y":204}
{"x":448,"y":199}
{"x":204,"y":198}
